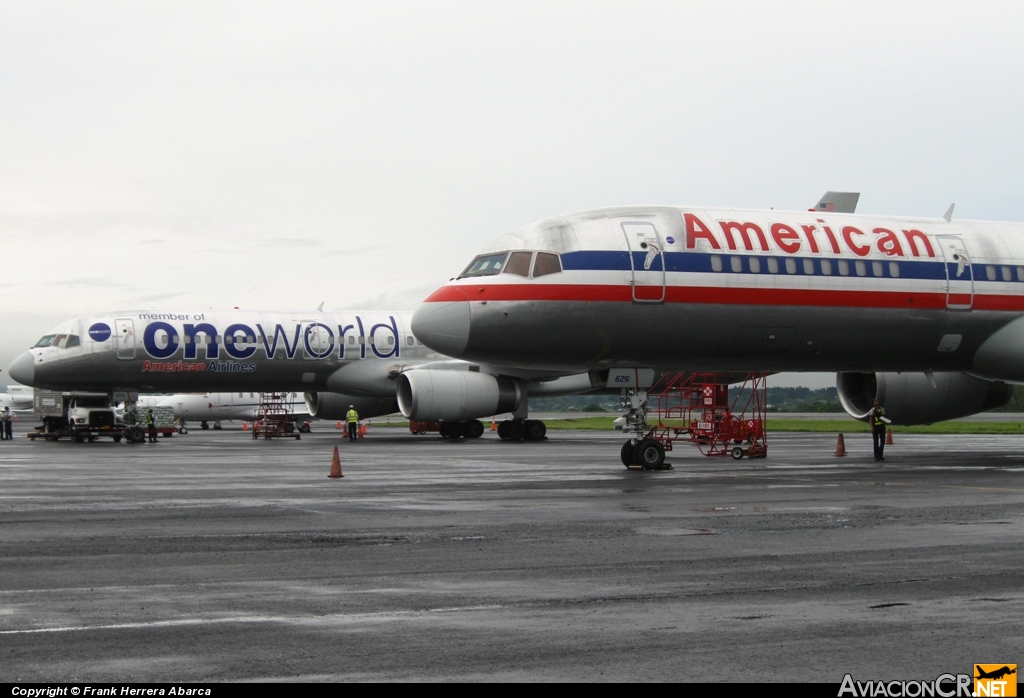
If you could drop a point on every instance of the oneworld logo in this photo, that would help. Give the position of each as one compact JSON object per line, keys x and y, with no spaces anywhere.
{"x":99,"y":332}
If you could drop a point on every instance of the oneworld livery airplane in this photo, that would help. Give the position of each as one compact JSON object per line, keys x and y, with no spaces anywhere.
{"x":926,"y":315}
{"x":335,"y":359}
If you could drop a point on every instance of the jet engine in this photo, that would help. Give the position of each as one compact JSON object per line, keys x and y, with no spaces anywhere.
{"x":919,"y":398}
{"x":334,"y":406}
{"x":430,"y":394}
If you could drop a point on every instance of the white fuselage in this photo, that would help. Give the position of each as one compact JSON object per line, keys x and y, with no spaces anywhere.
{"x":735,"y":290}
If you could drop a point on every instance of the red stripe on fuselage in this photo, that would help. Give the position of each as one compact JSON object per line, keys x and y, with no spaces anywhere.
{"x":704,"y":295}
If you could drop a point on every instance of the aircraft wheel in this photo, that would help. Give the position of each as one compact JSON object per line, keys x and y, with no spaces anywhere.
{"x":305,"y":428}
{"x":737,"y":452}
{"x":474,"y":429}
{"x":204,"y":425}
{"x":182,"y":430}
{"x":516,"y":430}
{"x":650,"y":454}
{"x":627,"y":453}
{"x":535,"y":430}
{"x":503,"y":431}
{"x":442,"y":429}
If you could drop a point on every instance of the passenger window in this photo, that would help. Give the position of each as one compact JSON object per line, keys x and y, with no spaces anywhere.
{"x":844,"y":267}
{"x":485,"y":265}
{"x":809,"y":266}
{"x":876,"y":269}
{"x":894,"y":270}
{"x":716,"y":263}
{"x":1007,"y":274}
{"x":736,"y":263}
{"x":547,"y":263}
{"x":755,"y":265}
{"x":826,"y":267}
{"x":990,"y":272}
{"x":790,"y":266}
{"x":861,"y":267}
{"x":519,"y":263}
{"x":773,"y":265}
{"x":1020,"y":273}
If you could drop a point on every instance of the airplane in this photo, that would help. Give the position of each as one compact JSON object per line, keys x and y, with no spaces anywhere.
{"x":18,"y":398}
{"x":924,"y":314}
{"x":217,"y":407}
{"x":995,"y":673}
{"x":334,"y":359}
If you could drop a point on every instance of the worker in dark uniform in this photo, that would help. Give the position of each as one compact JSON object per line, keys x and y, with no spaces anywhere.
{"x":878,"y":422}
{"x":352,"y":417}
{"x":151,"y":426}
{"x":8,"y":424}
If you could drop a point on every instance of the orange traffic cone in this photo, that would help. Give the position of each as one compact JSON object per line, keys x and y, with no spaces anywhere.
{"x":362,"y":430}
{"x":840,"y":446}
{"x":339,"y":426}
{"x":494,"y":426}
{"x":245,"y":426}
{"x":888,"y":437}
{"x":335,"y":465}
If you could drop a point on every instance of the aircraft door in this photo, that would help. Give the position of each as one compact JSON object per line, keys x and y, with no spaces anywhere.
{"x":647,"y":262}
{"x":959,"y":275}
{"x":125,"y":331}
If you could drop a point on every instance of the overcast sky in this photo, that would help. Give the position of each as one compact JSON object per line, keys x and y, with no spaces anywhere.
{"x":276,"y":155}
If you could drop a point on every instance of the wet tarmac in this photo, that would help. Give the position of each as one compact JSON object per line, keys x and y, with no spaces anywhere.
{"x":213,"y":557}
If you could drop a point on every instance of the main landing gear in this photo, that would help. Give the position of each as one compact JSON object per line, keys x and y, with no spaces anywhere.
{"x":520,"y":429}
{"x":471,"y":429}
{"x":508,"y":430}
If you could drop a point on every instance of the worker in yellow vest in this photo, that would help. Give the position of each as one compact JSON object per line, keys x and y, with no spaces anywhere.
{"x":878,"y":422}
{"x":352,"y":417}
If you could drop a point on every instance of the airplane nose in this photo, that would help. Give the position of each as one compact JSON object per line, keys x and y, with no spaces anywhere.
{"x":23,"y":369}
{"x":444,"y":325}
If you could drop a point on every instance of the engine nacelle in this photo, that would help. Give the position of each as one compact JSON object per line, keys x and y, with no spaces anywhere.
{"x":430,"y":395}
{"x":335,"y":406}
{"x":913,"y":398}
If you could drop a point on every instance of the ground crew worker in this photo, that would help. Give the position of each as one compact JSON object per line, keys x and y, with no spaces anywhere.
{"x":151,"y":425}
{"x":878,"y":422}
{"x":5,"y":425}
{"x":353,"y":422}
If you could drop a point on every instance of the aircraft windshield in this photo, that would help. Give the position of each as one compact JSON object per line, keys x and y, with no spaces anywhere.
{"x":485,"y":265}
{"x":61,"y":341}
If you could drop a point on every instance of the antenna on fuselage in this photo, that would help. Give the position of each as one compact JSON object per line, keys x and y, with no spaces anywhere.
{"x":320,"y":308}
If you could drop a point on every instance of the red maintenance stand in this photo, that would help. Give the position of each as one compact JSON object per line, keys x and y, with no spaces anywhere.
{"x":696,"y":408}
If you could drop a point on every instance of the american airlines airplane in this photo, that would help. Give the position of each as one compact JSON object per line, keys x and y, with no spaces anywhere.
{"x":926,"y":315}
{"x":334,"y":359}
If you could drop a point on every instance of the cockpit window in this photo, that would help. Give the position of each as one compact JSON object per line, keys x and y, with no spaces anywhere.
{"x":72,"y":341}
{"x":45,"y":341}
{"x":547,"y":263}
{"x":519,"y":263}
{"x":485,"y":265}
